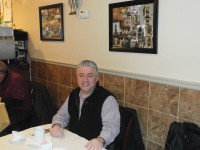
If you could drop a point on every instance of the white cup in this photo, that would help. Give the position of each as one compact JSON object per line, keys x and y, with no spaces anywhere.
{"x":39,"y":134}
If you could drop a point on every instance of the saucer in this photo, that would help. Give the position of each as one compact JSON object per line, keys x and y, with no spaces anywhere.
{"x":31,"y":142}
{"x":16,"y":141}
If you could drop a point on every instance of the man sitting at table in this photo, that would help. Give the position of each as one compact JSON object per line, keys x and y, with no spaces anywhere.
{"x":15,"y":93}
{"x":90,"y":110}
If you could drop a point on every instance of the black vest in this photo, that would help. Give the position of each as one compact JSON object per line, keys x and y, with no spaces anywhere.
{"x":89,"y":125}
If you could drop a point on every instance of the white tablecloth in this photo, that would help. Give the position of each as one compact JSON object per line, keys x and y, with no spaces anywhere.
{"x":70,"y":141}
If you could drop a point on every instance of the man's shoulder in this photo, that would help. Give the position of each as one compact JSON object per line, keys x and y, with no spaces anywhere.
{"x":75,"y":91}
{"x":103,"y":89}
{"x":14,"y":75}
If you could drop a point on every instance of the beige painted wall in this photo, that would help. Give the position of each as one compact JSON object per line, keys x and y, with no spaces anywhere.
{"x":178,"y":39}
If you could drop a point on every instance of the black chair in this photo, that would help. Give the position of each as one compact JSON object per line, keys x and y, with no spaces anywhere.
{"x":183,"y":136}
{"x":130,"y":137}
{"x":43,"y":108}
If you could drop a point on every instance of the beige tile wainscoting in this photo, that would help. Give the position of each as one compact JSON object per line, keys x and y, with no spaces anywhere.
{"x":157,"y":104}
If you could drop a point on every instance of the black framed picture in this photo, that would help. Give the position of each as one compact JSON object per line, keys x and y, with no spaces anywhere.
{"x":133,"y":26}
{"x":51,"y":22}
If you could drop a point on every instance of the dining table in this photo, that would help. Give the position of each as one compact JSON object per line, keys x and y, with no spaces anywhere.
{"x":70,"y":141}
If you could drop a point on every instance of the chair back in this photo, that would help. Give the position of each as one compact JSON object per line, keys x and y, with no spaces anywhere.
{"x":183,"y":136}
{"x":43,"y":108}
{"x":130,"y":137}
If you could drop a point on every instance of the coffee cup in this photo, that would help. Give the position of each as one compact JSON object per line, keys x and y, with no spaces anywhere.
{"x":39,"y":134}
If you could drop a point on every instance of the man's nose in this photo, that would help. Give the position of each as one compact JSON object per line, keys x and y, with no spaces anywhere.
{"x":85,"y":78}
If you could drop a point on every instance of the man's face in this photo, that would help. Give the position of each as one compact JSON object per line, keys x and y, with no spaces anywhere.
{"x":86,"y":79}
{"x":2,"y":76}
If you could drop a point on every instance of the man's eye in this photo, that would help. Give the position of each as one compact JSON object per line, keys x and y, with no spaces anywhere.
{"x":90,"y":75}
{"x":81,"y":75}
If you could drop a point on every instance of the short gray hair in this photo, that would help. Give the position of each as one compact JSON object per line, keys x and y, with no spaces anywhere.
{"x":88,"y":63}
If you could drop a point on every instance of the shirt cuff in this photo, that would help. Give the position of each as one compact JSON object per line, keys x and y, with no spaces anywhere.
{"x":103,"y":140}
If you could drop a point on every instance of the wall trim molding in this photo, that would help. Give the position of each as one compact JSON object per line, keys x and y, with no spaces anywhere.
{"x":161,"y":80}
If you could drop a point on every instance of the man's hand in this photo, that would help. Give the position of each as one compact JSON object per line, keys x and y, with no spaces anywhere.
{"x":57,"y":131}
{"x":95,"y":144}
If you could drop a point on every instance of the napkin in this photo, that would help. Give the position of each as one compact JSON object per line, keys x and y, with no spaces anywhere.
{"x":45,"y":145}
{"x":17,"y":137}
